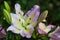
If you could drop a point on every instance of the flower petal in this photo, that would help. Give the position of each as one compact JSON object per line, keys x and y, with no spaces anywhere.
{"x":0,"y":27}
{"x":18,"y":9}
{"x":43,"y":29}
{"x":15,"y":19}
{"x":28,"y":35}
{"x":13,"y":29}
{"x":30,"y":31}
{"x":2,"y":32}
{"x":19,"y":12}
{"x":22,"y":33}
{"x":37,"y":12}
{"x":27,"y":32}
{"x":14,"y":16}
{"x":32,"y":15}
{"x":49,"y":27}
{"x":35,"y":8}
{"x":42,"y":26}
{"x":55,"y":35}
{"x":2,"y":35}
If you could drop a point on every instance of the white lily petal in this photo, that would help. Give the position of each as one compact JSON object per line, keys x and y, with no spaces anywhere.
{"x":47,"y":30}
{"x":14,"y":16}
{"x":22,"y":33}
{"x":28,"y":36}
{"x":30,"y":27}
{"x":28,"y":33}
{"x":17,"y":26}
{"x":18,"y":9}
{"x":42,"y":26}
{"x":13,"y":29}
{"x":43,"y":29}
{"x":15,"y":19}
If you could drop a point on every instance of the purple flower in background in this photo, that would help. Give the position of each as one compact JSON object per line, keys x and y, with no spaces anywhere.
{"x":24,"y":24}
{"x":2,"y":32}
{"x":43,"y":29}
{"x":55,"y":35}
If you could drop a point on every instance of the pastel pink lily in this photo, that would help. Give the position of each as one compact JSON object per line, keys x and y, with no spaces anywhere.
{"x":55,"y":35}
{"x":43,"y":29}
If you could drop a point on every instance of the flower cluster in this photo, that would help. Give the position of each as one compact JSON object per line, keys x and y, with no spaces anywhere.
{"x":24,"y":24}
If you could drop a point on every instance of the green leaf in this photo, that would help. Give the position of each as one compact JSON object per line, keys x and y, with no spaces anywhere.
{"x":7,"y":6}
{"x":43,"y":16}
{"x":44,"y":37}
{"x":7,"y":16}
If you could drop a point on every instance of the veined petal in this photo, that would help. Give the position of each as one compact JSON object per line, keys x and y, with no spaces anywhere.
{"x":42,"y":25}
{"x":19,"y":12}
{"x":30,"y":27}
{"x":35,"y":8}
{"x":18,"y":27}
{"x":37,"y":12}
{"x":32,"y":15}
{"x":13,"y":29}
{"x":43,"y":29}
{"x":14,"y":16}
{"x":30,"y":18}
{"x":16,"y":20}
{"x":28,"y":35}
{"x":27,"y":32}
{"x":56,"y":34}
{"x":18,"y":9}
{"x":22,"y":33}
{"x":48,"y":28}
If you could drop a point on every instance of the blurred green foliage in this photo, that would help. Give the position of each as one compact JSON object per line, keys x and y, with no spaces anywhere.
{"x":53,"y":6}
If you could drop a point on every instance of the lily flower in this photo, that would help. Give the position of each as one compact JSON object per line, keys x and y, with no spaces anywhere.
{"x":24,"y":24}
{"x":43,"y":29}
{"x":55,"y":35}
{"x":2,"y":32}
